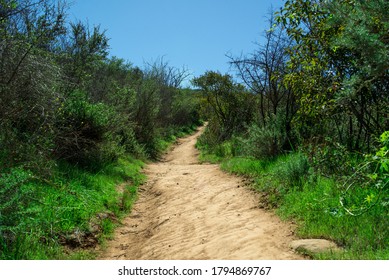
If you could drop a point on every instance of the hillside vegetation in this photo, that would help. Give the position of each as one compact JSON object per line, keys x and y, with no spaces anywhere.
{"x":310,"y":125}
{"x":76,"y":127}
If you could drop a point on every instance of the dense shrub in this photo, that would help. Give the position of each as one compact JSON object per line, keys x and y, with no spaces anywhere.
{"x":84,"y":131}
{"x":264,"y":142}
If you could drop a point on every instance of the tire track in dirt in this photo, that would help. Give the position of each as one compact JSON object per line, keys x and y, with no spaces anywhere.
{"x":189,"y":210}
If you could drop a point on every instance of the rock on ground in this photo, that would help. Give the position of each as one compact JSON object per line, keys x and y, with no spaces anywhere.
{"x":314,"y":245}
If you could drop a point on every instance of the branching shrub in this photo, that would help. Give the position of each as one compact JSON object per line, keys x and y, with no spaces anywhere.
{"x":210,"y":139}
{"x":264,"y":142}
{"x":84,"y":132}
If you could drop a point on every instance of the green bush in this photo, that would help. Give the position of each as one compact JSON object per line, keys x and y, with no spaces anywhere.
{"x":86,"y":133}
{"x":209,"y":139}
{"x":293,"y":170}
{"x":263,"y":142}
{"x":331,"y":157}
{"x":129,"y":142}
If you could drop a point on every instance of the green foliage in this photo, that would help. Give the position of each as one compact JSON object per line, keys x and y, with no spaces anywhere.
{"x":382,"y":156}
{"x":363,"y":35}
{"x":68,"y":116}
{"x":368,"y":187}
{"x":331,"y":158}
{"x":294,"y":171}
{"x":13,"y":196}
{"x":246,"y":166}
{"x":264,"y":142}
{"x":225,"y":104}
{"x":209,"y":139}
{"x":71,"y":209}
{"x":83,"y":50}
{"x":338,"y":68}
{"x":85,"y":135}
{"x":318,"y":213}
{"x":185,"y":109}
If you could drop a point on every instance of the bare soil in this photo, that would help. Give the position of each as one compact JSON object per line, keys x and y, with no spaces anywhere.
{"x":192,"y":211}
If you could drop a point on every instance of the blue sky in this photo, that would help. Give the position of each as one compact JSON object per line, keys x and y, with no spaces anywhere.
{"x":196,"y":34}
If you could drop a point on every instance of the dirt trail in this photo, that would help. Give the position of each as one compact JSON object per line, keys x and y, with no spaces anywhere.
{"x":195,"y":211}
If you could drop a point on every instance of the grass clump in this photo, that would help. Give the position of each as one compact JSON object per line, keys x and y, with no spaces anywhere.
{"x":245,"y":166}
{"x":292,"y":170}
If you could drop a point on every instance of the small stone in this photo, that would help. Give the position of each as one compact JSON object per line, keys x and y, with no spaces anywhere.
{"x":314,"y":245}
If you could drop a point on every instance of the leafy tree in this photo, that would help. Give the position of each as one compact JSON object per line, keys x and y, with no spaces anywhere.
{"x":361,"y":50}
{"x":309,"y":77}
{"x":339,"y":68}
{"x":225,"y":102}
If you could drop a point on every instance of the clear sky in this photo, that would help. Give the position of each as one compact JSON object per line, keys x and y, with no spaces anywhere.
{"x":196,"y":34}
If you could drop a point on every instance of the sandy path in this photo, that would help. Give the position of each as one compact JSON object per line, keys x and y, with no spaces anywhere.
{"x":194,"y":211}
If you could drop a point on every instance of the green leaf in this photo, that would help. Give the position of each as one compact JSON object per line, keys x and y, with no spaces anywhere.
{"x":373,"y":176}
{"x":385,"y":165}
{"x":370,"y":198}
